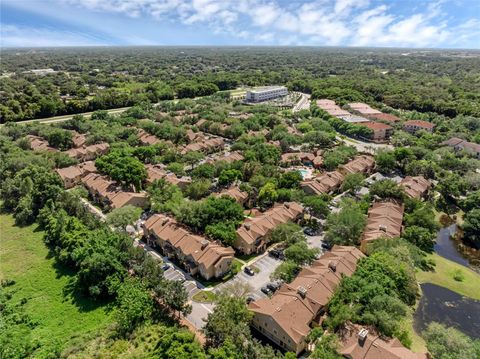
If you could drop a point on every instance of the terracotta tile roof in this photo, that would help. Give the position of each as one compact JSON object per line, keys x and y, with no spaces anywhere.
{"x":361,"y":164}
{"x":76,"y":172}
{"x":147,"y":139}
{"x":39,"y":144}
{"x":156,"y":172}
{"x":119,"y":199}
{"x":99,"y":184}
{"x":325,"y":183}
{"x":353,"y":346}
{"x":204,"y":144}
{"x":419,"y":123}
{"x":375,"y":126}
{"x":384,"y":220}
{"x":257,"y":227}
{"x":453,"y":141}
{"x":295,"y":305}
{"x":234,"y":192}
{"x":363,"y":108}
{"x":229,"y":158}
{"x":78,"y":139}
{"x":88,"y":152}
{"x":297,"y":156}
{"x":332,"y":108}
{"x":415,"y":187}
{"x":195,"y":248}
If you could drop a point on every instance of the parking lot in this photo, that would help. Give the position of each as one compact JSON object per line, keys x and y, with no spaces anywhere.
{"x":266,"y":265}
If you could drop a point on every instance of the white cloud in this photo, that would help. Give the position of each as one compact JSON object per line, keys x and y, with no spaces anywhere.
{"x":22,"y":36}
{"x":316,"y":22}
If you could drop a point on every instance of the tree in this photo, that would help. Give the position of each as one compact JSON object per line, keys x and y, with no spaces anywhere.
{"x":134,"y":306}
{"x":352,"y":182}
{"x":471,"y":227}
{"x":301,"y":254}
{"x":223,"y":232}
{"x":472,"y":201}
{"x":205,"y":170}
{"x":316,"y":205}
{"x":346,"y":226}
{"x":122,"y":167}
{"x":290,"y":179}
{"x":286,"y":233}
{"x":230,"y":319}
{"x":385,"y":161}
{"x":327,"y":348}
{"x":419,"y":236}
{"x":192,"y":157}
{"x":178,"y":343}
{"x":387,"y":189}
{"x":451,"y":186}
{"x":286,"y":271}
{"x":449,"y":343}
{"x":228,"y":176}
{"x":174,"y":296}
{"x":267,"y":194}
{"x":198,"y":189}
{"x":124,"y":216}
{"x":164,"y":197}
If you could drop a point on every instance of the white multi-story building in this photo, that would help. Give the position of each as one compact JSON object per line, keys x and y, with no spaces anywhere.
{"x":266,"y":93}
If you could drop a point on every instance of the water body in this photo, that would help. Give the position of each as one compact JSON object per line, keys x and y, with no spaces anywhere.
{"x":449,"y":248}
{"x":446,"y":247}
{"x":439,"y":304}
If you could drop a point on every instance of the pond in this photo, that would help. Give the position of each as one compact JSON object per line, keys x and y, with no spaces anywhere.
{"x":449,"y":246}
{"x":439,"y":304}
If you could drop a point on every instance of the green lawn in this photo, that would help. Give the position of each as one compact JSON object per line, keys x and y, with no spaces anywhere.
{"x":62,"y":315}
{"x":204,"y":296}
{"x":443,"y":275}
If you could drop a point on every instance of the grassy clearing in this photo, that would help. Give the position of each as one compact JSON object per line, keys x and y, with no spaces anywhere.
{"x":418,"y":344}
{"x":204,"y":296}
{"x":62,"y":314}
{"x":445,"y":273}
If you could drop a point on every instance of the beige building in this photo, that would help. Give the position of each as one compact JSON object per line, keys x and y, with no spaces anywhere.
{"x":381,"y":131}
{"x":416,"y":187}
{"x":39,"y":144}
{"x":156,"y":172}
{"x":147,"y":139}
{"x":196,"y":254}
{"x":416,"y":125}
{"x":234,"y":192}
{"x":72,"y":175}
{"x":361,"y":164}
{"x":288,"y":316}
{"x":88,"y":153}
{"x":361,"y":343}
{"x":327,"y":182}
{"x":384,"y":221}
{"x":252,"y":234}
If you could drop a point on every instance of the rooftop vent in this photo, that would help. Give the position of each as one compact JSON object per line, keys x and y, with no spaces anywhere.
{"x":382,"y":228}
{"x":332,"y":265}
{"x":165,"y":221}
{"x":287,"y":205}
{"x":247,"y":226}
{"x":302,"y":291}
{"x":362,"y":334}
{"x":204,"y":243}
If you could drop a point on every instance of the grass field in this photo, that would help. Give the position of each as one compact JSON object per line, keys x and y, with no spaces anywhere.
{"x":61,"y":313}
{"x":443,"y":275}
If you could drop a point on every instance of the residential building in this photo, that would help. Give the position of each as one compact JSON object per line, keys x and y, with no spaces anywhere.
{"x":156,"y":172}
{"x":353,"y":118}
{"x":266,"y":93}
{"x":147,"y":139}
{"x":359,"y":343}
{"x":332,"y":108}
{"x":39,"y":144}
{"x":252,"y":235}
{"x":106,"y":192}
{"x":88,"y":153}
{"x":363,"y":109}
{"x":196,"y":254}
{"x":296,"y":158}
{"x":327,"y":182}
{"x":361,"y":164}
{"x":236,"y":193}
{"x":72,"y":175}
{"x":288,"y":316}
{"x":384,"y":221}
{"x":416,"y":125}
{"x":416,"y":187}
{"x":461,"y":145}
{"x":78,"y":139}
{"x":204,"y":144}
{"x":384,"y":117}
{"x":228,"y":157}
{"x":381,"y":131}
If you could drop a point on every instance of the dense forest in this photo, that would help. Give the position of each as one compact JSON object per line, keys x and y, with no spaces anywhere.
{"x":88,"y":79}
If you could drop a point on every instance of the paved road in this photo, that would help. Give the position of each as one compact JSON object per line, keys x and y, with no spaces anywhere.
{"x":303,"y":103}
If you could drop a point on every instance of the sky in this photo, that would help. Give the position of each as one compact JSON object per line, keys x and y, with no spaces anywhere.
{"x":378,"y":23}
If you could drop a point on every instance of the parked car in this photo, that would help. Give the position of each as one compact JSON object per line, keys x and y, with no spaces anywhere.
{"x":165,"y":266}
{"x":310,"y":231}
{"x":326,"y":245}
{"x":273,"y":286}
{"x":276,"y":253}
{"x":265,"y":290}
{"x":250,"y":299}
{"x":249,"y":270}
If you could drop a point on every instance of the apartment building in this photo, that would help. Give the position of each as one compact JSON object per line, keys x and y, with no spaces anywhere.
{"x":147,"y":139}
{"x":332,"y":108}
{"x":384,"y":221}
{"x":72,"y":175}
{"x":252,"y":235}
{"x":288,"y":316}
{"x":327,"y":182}
{"x":381,"y":131}
{"x":461,"y":145}
{"x":266,"y":93}
{"x":416,"y":187}
{"x":361,"y":343}
{"x":88,"y":153}
{"x":195,"y":253}
{"x":236,"y":193}
{"x":360,"y":164}
{"x":156,"y":172}
{"x":297,"y":158}
{"x":416,"y":125}
{"x":39,"y":144}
